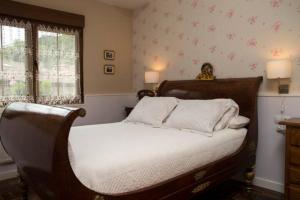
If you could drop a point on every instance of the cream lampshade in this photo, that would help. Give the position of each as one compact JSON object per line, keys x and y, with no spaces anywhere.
{"x":280,"y":69}
{"x":151,"y":77}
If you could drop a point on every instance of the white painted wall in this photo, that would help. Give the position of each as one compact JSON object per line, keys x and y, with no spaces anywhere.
{"x":270,"y":152}
{"x":105,"y":108}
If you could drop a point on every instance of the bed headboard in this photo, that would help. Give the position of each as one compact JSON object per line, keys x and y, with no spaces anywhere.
{"x":241,"y":90}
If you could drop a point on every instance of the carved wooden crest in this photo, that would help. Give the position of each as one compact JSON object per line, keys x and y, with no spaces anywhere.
{"x":207,"y":72}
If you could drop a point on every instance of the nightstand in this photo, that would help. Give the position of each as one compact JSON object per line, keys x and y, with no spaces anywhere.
{"x":292,"y":159}
{"x":128,"y":110}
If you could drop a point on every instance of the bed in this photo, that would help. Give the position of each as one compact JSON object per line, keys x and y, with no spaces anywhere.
{"x":38,"y":139}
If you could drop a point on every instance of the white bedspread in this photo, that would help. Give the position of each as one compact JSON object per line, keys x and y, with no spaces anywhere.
{"x":123,"y":157}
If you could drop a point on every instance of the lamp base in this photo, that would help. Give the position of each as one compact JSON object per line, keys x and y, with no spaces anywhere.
{"x":283,"y":89}
{"x":143,"y":93}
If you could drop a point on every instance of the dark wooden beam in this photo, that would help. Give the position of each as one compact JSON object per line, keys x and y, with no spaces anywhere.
{"x":31,"y":12}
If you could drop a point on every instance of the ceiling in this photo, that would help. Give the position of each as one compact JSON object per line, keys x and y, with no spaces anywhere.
{"x":128,"y":4}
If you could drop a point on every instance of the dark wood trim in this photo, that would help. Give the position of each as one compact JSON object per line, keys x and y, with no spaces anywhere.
{"x":41,"y":152}
{"x":291,"y":122}
{"x":35,"y":62}
{"x":81,"y":65}
{"x":32,"y":12}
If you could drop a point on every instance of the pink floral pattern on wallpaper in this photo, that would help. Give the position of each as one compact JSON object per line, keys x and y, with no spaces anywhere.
{"x":195,"y":3}
{"x":252,"y":20}
{"x":180,"y":36}
{"x":195,"y":23}
{"x":234,"y":36}
{"x":275,"y":3}
{"x":196,"y":61}
{"x":213,"y":49}
{"x":252,"y":42}
{"x":276,"y":26}
{"x":167,"y":48}
{"x":196,"y":42}
{"x":179,"y":18}
{"x":230,"y":36}
{"x":230,"y":13}
{"x":231,"y":56}
{"x":211,"y":28}
{"x":212,"y":9}
{"x":253,"y":66}
{"x":180,"y":54}
{"x":276,"y":52}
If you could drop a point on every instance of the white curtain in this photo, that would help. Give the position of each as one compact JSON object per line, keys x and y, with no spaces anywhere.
{"x":15,"y":61}
{"x":59,"y":66}
{"x":57,"y":79}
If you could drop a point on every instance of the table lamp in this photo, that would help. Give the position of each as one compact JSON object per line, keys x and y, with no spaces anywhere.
{"x":152,"y":78}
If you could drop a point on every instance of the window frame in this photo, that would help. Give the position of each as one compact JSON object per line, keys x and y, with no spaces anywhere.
{"x":47,"y":17}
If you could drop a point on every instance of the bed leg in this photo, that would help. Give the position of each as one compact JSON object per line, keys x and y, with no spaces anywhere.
{"x":249,"y":177}
{"x":24,"y":188}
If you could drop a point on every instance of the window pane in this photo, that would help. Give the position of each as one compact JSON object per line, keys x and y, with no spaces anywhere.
{"x":67,"y":64}
{"x":58,"y":58}
{"x":48,"y":63}
{"x":13,"y":61}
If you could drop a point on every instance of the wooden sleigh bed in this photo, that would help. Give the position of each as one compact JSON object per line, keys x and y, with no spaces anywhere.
{"x":36,"y":137}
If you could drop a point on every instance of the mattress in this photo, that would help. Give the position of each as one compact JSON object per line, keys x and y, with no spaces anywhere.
{"x":123,"y":157}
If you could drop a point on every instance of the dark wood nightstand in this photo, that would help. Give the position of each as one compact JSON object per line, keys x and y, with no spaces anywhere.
{"x":128,"y":110}
{"x":292,"y":159}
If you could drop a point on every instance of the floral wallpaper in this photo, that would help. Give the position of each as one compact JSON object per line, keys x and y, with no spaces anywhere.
{"x":238,"y":37}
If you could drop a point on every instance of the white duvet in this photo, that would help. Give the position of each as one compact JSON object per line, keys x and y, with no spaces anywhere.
{"x":123,"y":157}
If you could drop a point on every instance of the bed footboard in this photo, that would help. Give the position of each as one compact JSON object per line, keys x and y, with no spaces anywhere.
{"x":36,"y":148}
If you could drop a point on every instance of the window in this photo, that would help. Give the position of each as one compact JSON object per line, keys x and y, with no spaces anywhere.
{"x":40,"y":62}
{"x":14,"y":62}
{"x":58,"y":66}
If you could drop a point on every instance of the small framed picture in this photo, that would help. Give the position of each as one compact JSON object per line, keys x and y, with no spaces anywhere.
{"x":109,"y":55}
{"x":109,"y":69}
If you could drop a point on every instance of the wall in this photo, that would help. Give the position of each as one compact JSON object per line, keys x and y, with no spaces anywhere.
{"x":238,"y":37}
{"x":105,"y":108}
{"x":271,"y":145}
{"x":107,"y":27}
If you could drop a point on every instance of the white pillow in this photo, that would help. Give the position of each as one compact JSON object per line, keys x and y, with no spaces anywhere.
{"x":232,"y":112}
{"x":152,"y":110}
{"x":238,"y":122}
{"x":198,"y":115}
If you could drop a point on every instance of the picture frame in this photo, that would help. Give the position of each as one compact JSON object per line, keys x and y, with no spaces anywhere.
{"x":109,"y":55}
{"x":109,"y":69}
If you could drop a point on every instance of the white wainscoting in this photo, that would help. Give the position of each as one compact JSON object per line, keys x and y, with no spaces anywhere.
{"x":270,"y":152}
{"x":105,"y":108}
{"x":271,"y":145}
